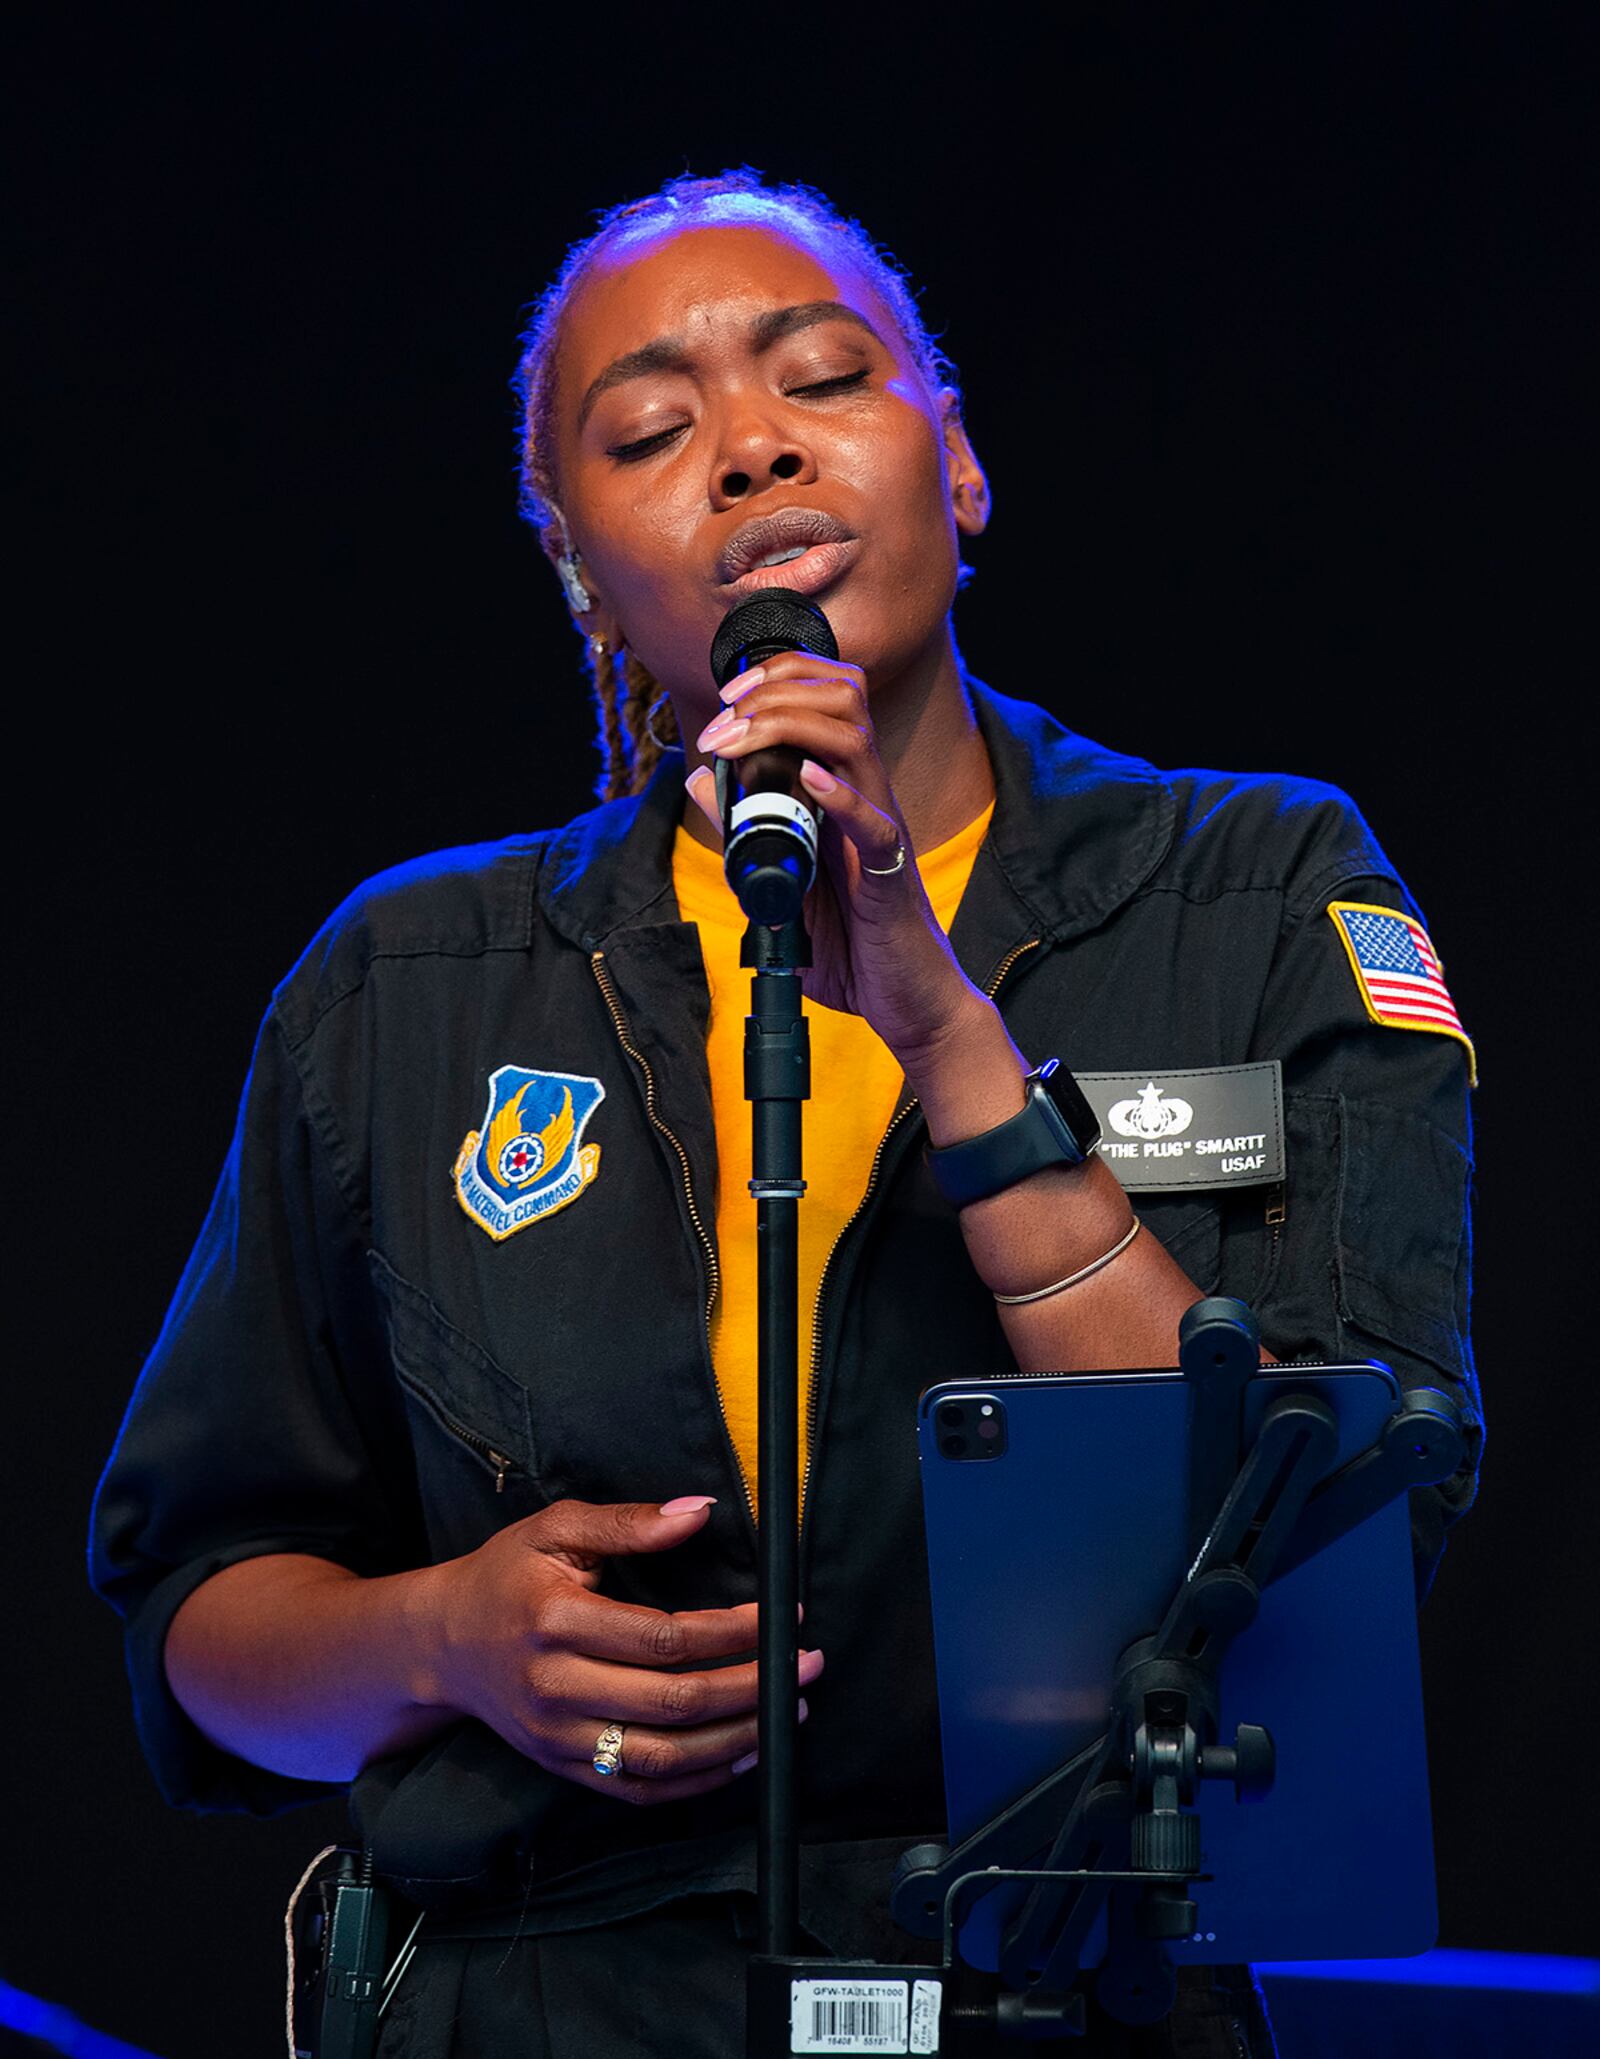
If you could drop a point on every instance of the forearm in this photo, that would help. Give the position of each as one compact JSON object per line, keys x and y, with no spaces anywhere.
{"x":305,"y":1668}
{"x":1050,"y":1225}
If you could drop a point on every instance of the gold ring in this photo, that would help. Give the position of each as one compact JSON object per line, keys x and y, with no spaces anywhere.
{"x":608,"y":1750}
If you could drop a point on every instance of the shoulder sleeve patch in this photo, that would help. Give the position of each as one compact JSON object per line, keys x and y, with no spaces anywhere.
{"x":1398,"y":973}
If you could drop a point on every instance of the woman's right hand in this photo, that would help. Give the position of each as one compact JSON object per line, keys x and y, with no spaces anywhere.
{"x":527,"y":1645}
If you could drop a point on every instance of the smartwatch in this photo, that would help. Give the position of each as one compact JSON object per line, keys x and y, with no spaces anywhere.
{"x":1056,"y":1127}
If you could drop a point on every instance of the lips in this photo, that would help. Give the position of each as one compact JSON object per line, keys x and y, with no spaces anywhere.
{"x":827,"y":547}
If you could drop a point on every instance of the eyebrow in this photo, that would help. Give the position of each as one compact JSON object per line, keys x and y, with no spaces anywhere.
{"x":671,"y":354}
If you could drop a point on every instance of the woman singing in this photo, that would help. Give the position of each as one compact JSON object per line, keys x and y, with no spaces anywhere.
{"x":441,"y":1478}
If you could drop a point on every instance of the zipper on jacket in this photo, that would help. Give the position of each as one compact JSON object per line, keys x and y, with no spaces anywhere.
{"x":619,"y":1023}
{"x":899,"y":1116}
{"x":1277,"y":1214}
{"x":497,"y":1461}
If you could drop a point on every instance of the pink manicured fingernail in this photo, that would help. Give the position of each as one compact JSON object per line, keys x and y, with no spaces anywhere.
{"x":816,"y":1668}
{"x":723,"y":730}
{"x":819,"y":781}
{"x":688,"y":1504}
{"x":742,"y":685}
{"x":805,"y":1708}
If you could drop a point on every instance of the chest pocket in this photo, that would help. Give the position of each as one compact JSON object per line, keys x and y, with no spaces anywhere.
{"x":471,"y":1423}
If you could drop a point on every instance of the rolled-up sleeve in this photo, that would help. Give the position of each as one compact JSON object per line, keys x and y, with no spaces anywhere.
{"x":263,"y":1421}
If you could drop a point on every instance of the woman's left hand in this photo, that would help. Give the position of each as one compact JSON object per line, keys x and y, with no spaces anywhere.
{"x":877,"y":948}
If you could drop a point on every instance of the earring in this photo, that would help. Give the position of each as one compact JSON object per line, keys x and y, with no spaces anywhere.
{"x":660,"y":742}
{"x":597,"y":650}
{"x":579,"y":599}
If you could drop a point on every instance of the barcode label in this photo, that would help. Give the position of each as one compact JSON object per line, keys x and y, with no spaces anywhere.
{"x":848,"y":2016}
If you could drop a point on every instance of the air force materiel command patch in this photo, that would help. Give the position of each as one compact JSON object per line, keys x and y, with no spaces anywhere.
{"x":529,"y":1159}
{"x":1398,"y":971}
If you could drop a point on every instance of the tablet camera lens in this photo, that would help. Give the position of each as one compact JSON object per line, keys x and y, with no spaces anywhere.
{"x":972,"y":1428}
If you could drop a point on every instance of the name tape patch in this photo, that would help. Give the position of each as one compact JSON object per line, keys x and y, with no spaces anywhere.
{"x":1219,"y":1126}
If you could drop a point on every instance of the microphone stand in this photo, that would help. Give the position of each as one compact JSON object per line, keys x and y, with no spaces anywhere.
{"x":777,"y":1079}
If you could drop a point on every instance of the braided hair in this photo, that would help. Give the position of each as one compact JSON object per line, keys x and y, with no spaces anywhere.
{"x":624,"y":691}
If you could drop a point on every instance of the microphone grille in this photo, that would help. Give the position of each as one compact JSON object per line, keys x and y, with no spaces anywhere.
{"x":768,"y":622}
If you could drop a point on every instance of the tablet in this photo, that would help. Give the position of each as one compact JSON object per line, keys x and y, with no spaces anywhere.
{"x":1056,"y":1525}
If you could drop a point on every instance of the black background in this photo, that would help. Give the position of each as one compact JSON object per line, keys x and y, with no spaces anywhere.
{"x":1271,"y":337}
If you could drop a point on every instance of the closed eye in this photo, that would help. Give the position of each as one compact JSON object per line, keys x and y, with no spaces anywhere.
{"x":627,"y":452}
{"x":838,"y":385}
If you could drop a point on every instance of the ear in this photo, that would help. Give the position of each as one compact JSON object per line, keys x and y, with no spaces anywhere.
{"x":969,"y":487}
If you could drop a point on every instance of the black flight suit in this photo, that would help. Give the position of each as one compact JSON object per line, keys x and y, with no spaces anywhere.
{"x":352,"y":1367}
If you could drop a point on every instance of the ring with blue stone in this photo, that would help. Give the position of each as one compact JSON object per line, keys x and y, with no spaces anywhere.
{"x":608,"y":1750}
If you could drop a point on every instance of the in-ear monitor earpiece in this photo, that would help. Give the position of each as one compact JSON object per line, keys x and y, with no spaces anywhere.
{"x":579,"y":598}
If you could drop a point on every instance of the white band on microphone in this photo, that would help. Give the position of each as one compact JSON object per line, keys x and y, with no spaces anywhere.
{"x":761,"y":809}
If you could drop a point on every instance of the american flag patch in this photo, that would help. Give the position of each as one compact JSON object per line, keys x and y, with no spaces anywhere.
{"x":1398,"y":971}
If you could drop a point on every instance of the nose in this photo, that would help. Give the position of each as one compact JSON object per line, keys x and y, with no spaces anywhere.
{"x":757,"y":453}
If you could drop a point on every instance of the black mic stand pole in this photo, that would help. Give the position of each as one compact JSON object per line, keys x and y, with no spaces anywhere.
{"x":777,"y":1079}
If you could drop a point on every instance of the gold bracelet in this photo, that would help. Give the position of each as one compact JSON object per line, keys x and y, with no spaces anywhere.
{"x":1072,"y":1279}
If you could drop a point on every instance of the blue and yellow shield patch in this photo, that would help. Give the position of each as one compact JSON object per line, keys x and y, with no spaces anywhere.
{"x":529,"y":1158}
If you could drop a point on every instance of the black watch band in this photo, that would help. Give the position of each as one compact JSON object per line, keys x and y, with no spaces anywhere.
{"x":1056,"y":1127}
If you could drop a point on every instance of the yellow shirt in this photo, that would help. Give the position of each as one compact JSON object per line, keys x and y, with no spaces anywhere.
{"x":855,"y":1084}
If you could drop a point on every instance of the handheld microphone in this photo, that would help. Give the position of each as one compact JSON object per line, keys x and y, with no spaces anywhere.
{"x":769,"y":828}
